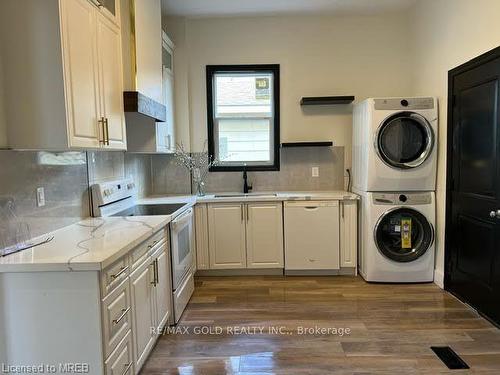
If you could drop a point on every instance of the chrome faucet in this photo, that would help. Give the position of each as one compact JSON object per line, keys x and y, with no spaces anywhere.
{"x":246,"y":187}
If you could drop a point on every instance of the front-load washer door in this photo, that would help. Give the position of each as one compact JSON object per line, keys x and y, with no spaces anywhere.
{"x":403,"y":234}
{"x":404,"y":140}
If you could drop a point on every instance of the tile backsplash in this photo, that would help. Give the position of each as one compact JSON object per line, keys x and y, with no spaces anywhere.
{"x":294,"y":174}
{"x":113,"y":165}
{"x":64,"y":179}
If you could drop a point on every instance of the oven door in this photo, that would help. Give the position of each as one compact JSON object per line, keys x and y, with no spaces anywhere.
{"x":182,"y":246}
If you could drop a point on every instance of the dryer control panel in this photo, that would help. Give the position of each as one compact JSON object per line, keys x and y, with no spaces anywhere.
{"x":410,"y":199}
{"x":404,"y":103}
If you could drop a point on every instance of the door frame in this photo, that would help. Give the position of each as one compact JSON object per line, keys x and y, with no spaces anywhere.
{"x":471,"y":64}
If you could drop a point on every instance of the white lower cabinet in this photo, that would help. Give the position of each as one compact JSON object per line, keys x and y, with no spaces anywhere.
{"x":121,"y":361}
{"x":137,"y":303}
{"x":264,"y":238}
{"x":201,"y":236}
{"x":143,"y":304}
{"x":163,"y":290}
{"x":245,"y":235}
{"x":226,"y":234}
{"x":349,"y":234}
{"x":151,"y":292}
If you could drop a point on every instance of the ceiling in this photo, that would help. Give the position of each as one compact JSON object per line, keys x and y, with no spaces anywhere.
{"x":217,"y":8}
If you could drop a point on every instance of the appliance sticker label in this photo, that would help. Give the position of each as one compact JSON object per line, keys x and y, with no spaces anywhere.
{"x":406,"y":233}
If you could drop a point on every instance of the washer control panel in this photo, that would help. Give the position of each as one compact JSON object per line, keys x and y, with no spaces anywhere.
{"x":402,"y":199}
{"x":404,"y":103}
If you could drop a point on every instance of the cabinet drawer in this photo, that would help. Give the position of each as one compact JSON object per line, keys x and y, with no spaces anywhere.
{"x":121,"y":361}
{"x":182,"y":295}
{"x":141,"y":252}
{"x":112,"y":276}
{"x":116,"y":316}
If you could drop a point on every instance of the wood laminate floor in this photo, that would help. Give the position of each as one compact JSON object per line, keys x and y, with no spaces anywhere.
{"x":391,"y":329}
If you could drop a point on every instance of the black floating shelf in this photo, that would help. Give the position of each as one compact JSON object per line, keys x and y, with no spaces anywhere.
{"x":326,"y":100}
{"x":307,"y":144}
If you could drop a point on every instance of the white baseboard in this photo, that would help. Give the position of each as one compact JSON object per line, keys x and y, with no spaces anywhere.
{"x":439,"y":278}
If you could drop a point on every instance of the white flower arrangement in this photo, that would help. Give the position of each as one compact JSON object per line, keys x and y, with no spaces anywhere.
{"x":198,"y":163}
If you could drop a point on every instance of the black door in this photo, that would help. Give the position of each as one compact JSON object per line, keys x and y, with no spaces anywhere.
{"x":473,"y":196}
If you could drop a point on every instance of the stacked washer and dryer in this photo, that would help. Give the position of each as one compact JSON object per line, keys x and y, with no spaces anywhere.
{"x":394,"y":172}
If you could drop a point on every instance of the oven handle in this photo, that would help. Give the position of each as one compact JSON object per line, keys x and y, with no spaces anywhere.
{"x":181,"y":219}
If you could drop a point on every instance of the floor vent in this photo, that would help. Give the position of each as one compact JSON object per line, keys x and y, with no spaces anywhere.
{"x":449,"y":357}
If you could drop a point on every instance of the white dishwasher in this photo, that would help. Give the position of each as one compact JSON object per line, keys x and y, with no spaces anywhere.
{"x":312,"y":235}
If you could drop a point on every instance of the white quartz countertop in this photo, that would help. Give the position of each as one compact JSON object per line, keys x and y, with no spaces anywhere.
{"x":90,"y":245}
{"x":252,"y":197}
{"x":95,"y":243}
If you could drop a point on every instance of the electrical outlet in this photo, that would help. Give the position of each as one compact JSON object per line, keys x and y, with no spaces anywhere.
{"x":40,"y":197}
{"x":315,"y":171}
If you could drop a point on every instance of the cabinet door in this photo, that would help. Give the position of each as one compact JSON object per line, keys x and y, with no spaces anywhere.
{"x":143,"y":312}
{"x":163,"y":290}
{"x":264,"y":235}
{"x":226,"y":236}
{"x":78,"y":31}
{"x":165,"y":130}
{"x":168,"y":83}
{"x":120,"y":362}
{"x":201,"y":230}
{"x":110,"y":9}
{"x":111,"y":81}
{"x":348,"y":233}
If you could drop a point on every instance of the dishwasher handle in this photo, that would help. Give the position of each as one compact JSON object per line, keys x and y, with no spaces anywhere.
{"x":311,"y":205}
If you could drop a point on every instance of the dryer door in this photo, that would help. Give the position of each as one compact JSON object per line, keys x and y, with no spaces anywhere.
{"x":404,"y":140}
{"x":403,"y":234}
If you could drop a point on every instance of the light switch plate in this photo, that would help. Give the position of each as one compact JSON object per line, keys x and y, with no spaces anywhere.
{"x":315,"y":171}
{"x":40,"y":197}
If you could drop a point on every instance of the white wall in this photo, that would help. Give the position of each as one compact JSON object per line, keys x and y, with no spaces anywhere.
{"x":3,"y":125}
{"x":446,"y":34}
{"x":319,"y":55}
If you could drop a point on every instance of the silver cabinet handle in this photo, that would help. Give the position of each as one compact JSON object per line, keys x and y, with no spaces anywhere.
{"x":107,"y":130}
{"x":153,"y":244}
{"x":157,"y":274}
{"x":154,"y":272}
{"x":120,"y":318}
{"x":101,"y":129}
{"x":121,"y":272}
{"x":127,"y":367}
{"x":241,"y":209}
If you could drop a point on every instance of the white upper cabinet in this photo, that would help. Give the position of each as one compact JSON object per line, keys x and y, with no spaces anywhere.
{"x":111,"y":82}
{"x":165,"y":130}
{"x":146,"y":135}
{"x":78,"y":24}
{"x":72,"y":97}
{"x":110,"y":9}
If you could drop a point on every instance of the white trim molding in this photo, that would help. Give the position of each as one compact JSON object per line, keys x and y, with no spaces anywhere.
{"x":439,"y":278}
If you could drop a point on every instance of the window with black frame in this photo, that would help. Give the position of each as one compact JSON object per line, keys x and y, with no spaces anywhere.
{"x":243,"y":117}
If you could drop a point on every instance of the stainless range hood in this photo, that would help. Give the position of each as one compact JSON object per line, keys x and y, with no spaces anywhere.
{"x":142,"y":40}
